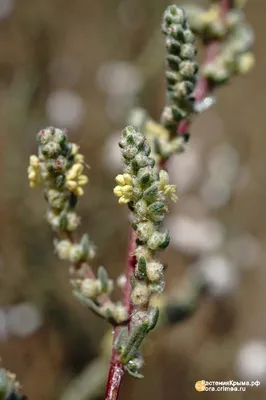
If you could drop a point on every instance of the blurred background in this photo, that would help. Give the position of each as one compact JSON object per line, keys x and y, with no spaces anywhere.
{"x":83,"y":65}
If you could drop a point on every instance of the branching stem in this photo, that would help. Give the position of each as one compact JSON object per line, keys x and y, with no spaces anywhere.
{"x":116,"y":369}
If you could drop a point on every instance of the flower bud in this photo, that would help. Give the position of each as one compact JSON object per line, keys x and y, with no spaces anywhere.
{"x":188,"y":69}
{"x":90,"y":288}
{"x":140,"y":208}
{"x":120,"y":313}
{"x":145,"y":230}
{"x":73,"y":221}
{"x":56,"y":199}
{"x":59,"y":136}
{"x":188,"y":51}
{"x":140,"y":294}
{"x":75,"y":253}
{"x":53,"y":219}
{"x":51,"y":149}
{"x":45,"y":136}
{"x":159,"y":241}
{"x":63,"y":248}
{"x":174,"y":15}
{"x":154,"y":271}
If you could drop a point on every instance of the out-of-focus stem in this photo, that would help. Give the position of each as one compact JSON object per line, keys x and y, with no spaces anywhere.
{"x":202,"y":88}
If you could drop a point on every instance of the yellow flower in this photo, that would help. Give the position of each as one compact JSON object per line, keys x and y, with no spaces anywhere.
{"x":74,"y":148}
{"x":245,"y":63}
{"x":79,"y":158}
{"x":74,"y":171}
{"x":34,"y":161}
{"x":156,"y":130}
{"x":124,"y":189}
{"x":210,"y":16}
{"x":124,"y":179}
{"x":168,"y":190}
{"x":33,"y":171}
{"x":75,"y":179}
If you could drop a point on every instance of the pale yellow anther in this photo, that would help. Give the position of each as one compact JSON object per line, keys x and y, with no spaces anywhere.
{"x":32,"y":175}
{"x":210,"y":16}
{"x":117,"y":191}
{"x":33,"y":184}
{"x":71,"y":185}
{"x":128,"y":179}
{"x":79,"y":191}
{"x":120,"y":179}
{"x":123,"y":200}
{"x":155,"y":130}
{"x":79,"y":158}
{"x":126,"y":189}
{"x":169,"y":191}
{"x":34,"y":161}
{"x":82,"y":180}
{"x":75,"y":171}
{"x":245,"y":63}
{"x":74,"y":148}
{"x":164,"y":178}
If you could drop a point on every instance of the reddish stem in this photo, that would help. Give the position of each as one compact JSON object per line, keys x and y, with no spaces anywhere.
{"x":115,"y":376}
{"x":116,"y":370}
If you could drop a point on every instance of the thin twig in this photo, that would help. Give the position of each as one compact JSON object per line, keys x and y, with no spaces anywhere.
{"x":116,"y":370}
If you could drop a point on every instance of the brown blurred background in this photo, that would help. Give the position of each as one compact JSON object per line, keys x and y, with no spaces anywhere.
{"x":83,"y":65}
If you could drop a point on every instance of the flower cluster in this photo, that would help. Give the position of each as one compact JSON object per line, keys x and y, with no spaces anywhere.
{"x":146,"y":192}
{"x":94,"y":293}
{"x":181,"y":68}
{"x":59,"y":168}
{"x":236,"y":36}
{"x":158,"y":137}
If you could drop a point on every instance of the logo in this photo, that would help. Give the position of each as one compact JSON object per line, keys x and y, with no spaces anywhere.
{"x":200,"y":386}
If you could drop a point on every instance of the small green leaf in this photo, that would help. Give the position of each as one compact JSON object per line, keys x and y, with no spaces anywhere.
{"x":145,"y":178}
{"x":178,"y":114}
{"x":141,"y":268}
{"x":63,"y":221}
{"x":165,"y":242}
{"x":151,"y":192}
{"x":85,"y":243}
{"x":154,"y":316}
{"x":132,"y":282}
{"x":134,"y":374}
{"x":60,"y":180}
{"x":157,"y":208}
{"x":103,"y":277}
{"x":134,"y":342}
{"x":173,"y":61}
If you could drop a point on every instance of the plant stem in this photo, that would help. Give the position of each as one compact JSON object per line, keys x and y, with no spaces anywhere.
{"x":116,"y":369}
{"x":116,"y":372}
